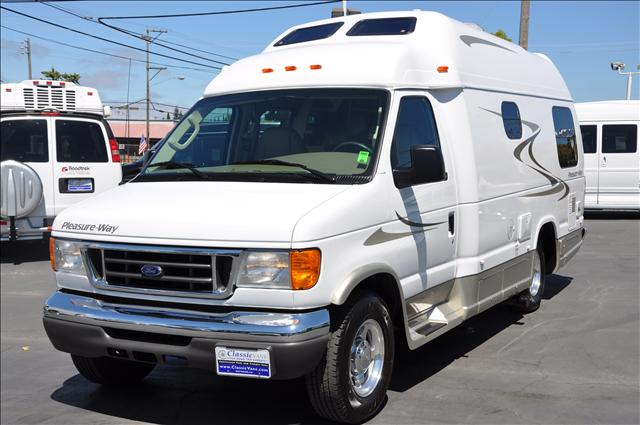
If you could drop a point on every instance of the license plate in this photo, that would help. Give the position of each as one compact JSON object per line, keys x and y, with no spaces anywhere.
{"x":243,"y":362}
{"x":79,"y":185}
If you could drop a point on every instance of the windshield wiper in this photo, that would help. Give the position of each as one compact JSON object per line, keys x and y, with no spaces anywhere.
{"x":313,"y":171}
{"x":176,"y":165}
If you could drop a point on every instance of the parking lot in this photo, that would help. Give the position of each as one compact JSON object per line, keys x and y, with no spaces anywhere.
{"x":576,"y":360}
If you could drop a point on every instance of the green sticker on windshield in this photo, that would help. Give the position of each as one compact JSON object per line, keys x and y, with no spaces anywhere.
{"x":363,"y":157}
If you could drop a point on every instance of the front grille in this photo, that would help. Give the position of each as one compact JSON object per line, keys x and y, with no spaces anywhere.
{"x":183,"y":271}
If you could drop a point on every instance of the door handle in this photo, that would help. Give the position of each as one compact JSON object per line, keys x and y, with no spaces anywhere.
{"x":604,"y":161}
{"x":451,"y":223}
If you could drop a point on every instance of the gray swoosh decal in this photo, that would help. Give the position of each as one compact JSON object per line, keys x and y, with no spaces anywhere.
{"x":414,"y":224}
{"x":469,"y":40}
{"x":557,"y":183}
{"x":380,"y":236}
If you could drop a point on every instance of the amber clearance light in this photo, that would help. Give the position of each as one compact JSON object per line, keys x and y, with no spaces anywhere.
{"x":304,"y":268}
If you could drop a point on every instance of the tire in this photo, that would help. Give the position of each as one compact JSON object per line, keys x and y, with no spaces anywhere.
{"x":529,"y":300}
{"x":110,"y":371}
{"x":333,"y":393}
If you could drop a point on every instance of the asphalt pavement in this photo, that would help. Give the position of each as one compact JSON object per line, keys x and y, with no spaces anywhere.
{"x":575,"y":360}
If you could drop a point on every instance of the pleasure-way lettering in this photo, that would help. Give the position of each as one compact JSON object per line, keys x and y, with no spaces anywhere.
{"x":364,"y":180}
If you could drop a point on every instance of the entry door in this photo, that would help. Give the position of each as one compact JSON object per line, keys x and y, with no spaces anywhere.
{"x":427,"y":212}
{"x":619,"y":170}
{"x":591,"y":149}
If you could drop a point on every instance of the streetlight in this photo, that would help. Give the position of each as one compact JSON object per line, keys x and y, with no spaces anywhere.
{"x":619,"y":66}
{"x":168,"y":79}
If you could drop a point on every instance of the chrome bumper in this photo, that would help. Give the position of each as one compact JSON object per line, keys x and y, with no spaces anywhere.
{"x":236,"y":325}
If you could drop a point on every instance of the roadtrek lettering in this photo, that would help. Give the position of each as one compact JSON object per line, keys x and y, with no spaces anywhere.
{"x":104,"y":228}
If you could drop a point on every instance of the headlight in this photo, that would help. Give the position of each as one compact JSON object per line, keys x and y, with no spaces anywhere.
{"x":281,"y":270}
{"x":66,"y":256}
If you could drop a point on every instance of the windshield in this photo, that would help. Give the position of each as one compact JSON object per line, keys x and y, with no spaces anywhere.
{"x":306,"y":135}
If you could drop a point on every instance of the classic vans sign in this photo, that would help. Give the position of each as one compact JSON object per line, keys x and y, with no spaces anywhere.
{"x":103,"y":228}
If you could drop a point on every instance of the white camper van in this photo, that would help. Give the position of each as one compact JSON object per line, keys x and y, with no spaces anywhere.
{"x":611,"y":156}
{"x":365,"y":179}
{"x":56,"y":150}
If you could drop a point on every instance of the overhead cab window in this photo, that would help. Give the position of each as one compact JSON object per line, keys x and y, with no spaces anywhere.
{"x":302,"y":35}
{"x":384,"y":26}
{"x":589,"y":134}
{"x":619,"y":138}
{"x":511,"y":120}
{"x":565,"y":137}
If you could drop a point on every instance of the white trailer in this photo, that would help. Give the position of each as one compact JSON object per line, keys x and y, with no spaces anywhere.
{"x":611,"y":156}
{"x":57,"y":150}
{"x":365,"y":179}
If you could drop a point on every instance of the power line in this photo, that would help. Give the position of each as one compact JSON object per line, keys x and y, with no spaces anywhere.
{"x":91,"y":19}
{"x":105,"y":39}
{"x":157,"y":43}
{"x":102,"y":53}
{"x":223,"y":12}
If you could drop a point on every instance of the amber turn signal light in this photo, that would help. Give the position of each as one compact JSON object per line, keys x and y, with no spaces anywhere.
{"x":304,"y":268}
{"x":52,"y":257}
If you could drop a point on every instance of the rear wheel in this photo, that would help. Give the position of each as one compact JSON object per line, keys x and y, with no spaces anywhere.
{"x":529,"y":300}
{"x":350,"y":383}
{"x":110,"y":371}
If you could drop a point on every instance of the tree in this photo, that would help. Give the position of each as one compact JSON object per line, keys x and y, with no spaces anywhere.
{"x":54,"y":74}
{"x":177,"y":114}
{"x":168,"y":116}
{"x":503,"y":35}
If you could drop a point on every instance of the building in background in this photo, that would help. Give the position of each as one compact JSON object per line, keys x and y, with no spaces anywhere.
{"x":128,"y":133}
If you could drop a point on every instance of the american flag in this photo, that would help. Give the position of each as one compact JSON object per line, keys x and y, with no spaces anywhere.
{"x":143,"y":145}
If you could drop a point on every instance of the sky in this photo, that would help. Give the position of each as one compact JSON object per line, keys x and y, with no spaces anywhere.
{"x":581,"y":37}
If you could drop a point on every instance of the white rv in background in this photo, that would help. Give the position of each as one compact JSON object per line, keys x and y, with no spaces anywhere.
{"x":365,"y":179}
{"x":611,"y":156}
{"x":56,"y":150}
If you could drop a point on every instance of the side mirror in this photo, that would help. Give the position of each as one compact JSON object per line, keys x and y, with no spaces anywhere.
{"x":427,"y":166}
{"x":146,"y":156}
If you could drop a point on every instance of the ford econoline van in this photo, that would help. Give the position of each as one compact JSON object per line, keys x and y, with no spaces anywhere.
{"x":365,"y":180}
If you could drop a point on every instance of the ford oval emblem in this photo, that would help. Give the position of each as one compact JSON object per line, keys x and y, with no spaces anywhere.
{"x":151,"y":270}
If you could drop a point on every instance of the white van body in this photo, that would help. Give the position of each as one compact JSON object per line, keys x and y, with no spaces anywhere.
{"x":54,"y":137}
{"x":611,"y":155}
{"x":422,"y":257}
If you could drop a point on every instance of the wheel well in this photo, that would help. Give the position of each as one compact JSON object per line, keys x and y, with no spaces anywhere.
{"x":385,"y":286}
{"x":547,"y":240}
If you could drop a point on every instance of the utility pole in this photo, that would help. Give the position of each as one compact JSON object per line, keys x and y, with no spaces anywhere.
{"x":148,"y":40}
{"x":524,"y":24}
{"x":26,"y":50}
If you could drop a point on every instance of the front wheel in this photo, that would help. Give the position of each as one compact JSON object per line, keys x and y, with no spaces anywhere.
{"x":350,"y":383}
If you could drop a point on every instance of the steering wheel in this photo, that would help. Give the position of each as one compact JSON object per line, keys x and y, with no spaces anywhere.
{"x":357,"y":144}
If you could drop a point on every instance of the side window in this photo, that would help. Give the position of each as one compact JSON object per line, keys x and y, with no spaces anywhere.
{"x":415,"y":126}
{"x":589,"y":134}
{"x":565,"y":137}
{"x":620,"y":138}
{"x":511,"y":120}
{"x":80,"y":141}
{"x":24,"y":140}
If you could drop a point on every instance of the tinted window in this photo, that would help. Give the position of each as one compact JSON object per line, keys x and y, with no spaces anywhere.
{"x":309,"y":34}
{"x":80,"y":141}
{"x":415,"y":126}
{"x":565,"y":137}
{"x":619,"y":138}
{"x":589,"y":134}
{"x":511,"y":120}
{"x":386,"y":26}
{"x":24,"y":140}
